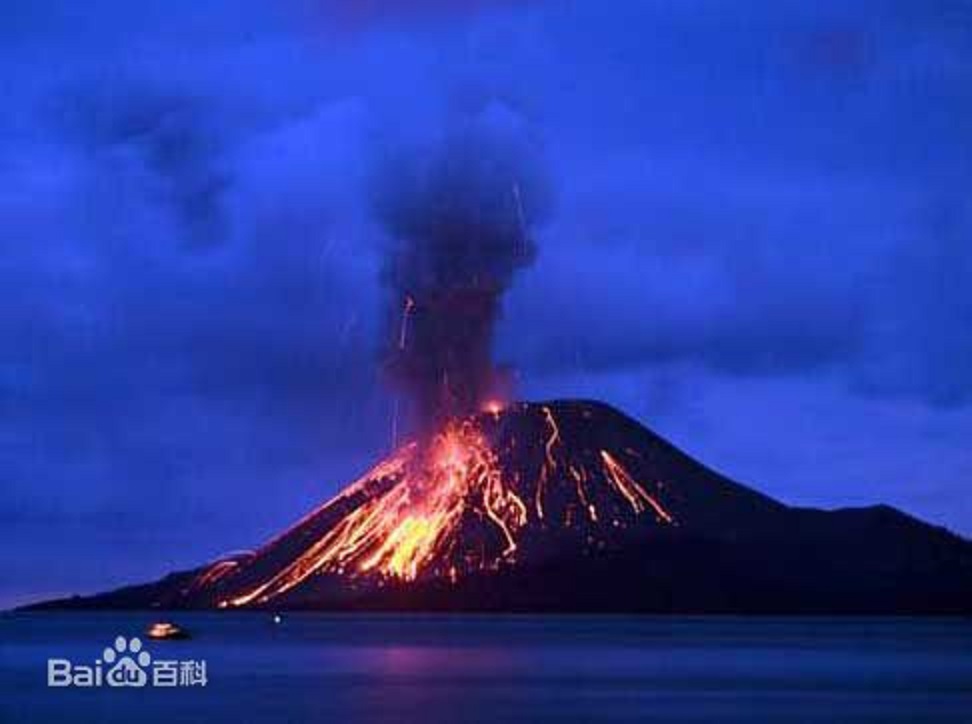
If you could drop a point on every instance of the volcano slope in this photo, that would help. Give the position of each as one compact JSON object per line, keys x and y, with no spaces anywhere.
{"x":572,"y":506}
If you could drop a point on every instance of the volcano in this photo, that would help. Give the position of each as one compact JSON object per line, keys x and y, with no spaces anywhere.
{"x":572,"y":506}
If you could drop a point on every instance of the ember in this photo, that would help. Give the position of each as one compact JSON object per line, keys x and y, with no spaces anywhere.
{"x":493,"y":407}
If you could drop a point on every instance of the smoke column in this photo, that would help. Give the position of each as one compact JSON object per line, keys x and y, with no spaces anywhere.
{"x":458,"y":217}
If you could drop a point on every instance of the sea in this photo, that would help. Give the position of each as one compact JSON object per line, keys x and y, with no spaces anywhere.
{"x":304,"y":667}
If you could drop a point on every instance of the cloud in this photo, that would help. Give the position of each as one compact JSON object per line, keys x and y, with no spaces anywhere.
{"x":920,"y":341}
{"x":161,"y":142}
{"x":143,"y":363}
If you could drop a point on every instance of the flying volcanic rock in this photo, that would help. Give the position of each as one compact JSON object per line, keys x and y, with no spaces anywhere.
{"x":572,"y":506}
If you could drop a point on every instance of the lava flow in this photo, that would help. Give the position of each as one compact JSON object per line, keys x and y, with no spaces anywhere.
{"x":478,"y":496}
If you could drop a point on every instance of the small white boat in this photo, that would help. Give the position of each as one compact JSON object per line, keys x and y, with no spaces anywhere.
{"x":166,"y":630}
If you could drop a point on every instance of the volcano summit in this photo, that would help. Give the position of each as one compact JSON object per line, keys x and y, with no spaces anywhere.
{"x":572,"y":506}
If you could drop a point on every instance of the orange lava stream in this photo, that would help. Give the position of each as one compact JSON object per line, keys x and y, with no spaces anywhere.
{"x":396,"y":534}
{"x":411,"y":515}
{"x":216,"y":571}
{"x":630,"y":489}
{"x":550,"y":463}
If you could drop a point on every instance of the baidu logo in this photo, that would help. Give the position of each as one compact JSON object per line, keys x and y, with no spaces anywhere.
{"x":131,"y":663}
{"x":126,"y":664}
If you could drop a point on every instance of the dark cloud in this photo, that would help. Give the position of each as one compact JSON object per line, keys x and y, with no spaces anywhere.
{"x":165,"y":142}
{"x":145,"y":369}
{"x":459,"y":213}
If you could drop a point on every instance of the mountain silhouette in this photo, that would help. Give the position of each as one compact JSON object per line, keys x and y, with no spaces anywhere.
{"x":571,"y":506}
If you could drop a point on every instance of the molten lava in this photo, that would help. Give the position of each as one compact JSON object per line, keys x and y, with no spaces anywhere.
{"x":465,"y":501}
{"x":493,"y":407}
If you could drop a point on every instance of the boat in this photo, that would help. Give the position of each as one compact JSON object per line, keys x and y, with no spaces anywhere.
{"x":166,"y":630}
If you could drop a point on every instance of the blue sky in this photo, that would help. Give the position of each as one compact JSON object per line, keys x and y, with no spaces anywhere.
{"x":759,"y":244}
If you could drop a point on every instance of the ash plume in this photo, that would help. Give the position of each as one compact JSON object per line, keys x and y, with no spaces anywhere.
{"x":459,"y":216}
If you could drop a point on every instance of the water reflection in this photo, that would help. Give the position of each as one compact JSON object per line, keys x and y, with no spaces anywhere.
{"x":491,"y":669}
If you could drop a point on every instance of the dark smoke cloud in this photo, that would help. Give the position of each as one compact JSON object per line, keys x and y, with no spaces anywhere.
{"x":165,"y":140}
{"x":458,"y":213}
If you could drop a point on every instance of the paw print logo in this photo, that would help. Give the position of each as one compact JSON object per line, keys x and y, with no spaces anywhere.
{"x":129,"y":662}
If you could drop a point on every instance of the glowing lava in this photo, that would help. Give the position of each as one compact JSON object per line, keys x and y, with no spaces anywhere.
{"x":453,"y":506}
{"x":493,"y":407}
{"x":410,"y":527}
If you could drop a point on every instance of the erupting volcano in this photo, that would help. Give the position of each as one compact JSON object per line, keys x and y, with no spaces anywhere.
{"x":565,"y":505}
{"x":572,"y":506}
{"x":481,"y":495}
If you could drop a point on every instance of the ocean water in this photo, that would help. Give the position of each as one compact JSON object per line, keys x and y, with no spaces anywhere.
{"x":407,"y":668}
